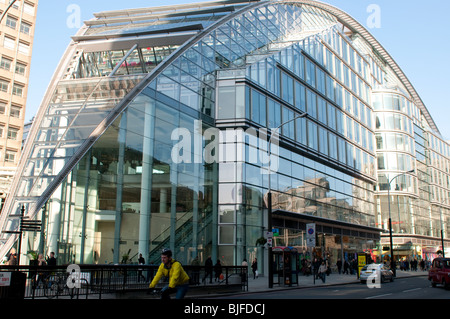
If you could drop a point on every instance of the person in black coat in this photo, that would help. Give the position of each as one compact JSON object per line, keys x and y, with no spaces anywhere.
{"x":339,"y":265}
{"x":208,"y":269}
{"x":217,"y":270}
{"x":255,"y":268}
{"x":51,"y":260}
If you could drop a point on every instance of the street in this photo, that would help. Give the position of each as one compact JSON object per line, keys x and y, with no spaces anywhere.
{"x":401,"y":288}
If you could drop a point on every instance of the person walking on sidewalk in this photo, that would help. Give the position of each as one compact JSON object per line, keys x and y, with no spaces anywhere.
{"x":208,"y":269}
{"x":323,"y":271}
{"x":346,"y":266}
{"x":255,"y":268}
{"x":244,"y":275}
{"x":339,"y":265}
{"x":217,"y":271}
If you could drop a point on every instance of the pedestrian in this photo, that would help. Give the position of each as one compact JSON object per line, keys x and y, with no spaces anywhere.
{"x":217,"y":271}
{"x":51,"y":261}
{"x":322,"y":272}
{"x":12,"y":260}
{"x":255,"y":268}
{"x":196,"y":271}
{"x":178,"y":278}
{"x":141,"y":261}
{"x":346,"y":266}
{"x":42,"y":274}
{"x":208,"y":269}
{"x":245,"y":270}
{"x":316,"y":265}
{"x":339,"y":265}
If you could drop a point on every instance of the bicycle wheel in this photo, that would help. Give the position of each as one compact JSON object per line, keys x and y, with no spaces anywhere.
{"x":51,"y":289}
{"x":82,"y":289}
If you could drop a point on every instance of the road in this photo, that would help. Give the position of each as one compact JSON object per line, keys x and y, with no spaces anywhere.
{"x":401,"y":288}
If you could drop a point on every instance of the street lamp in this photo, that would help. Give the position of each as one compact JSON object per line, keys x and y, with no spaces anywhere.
{"x":269,"y":197}
{"x":9,"y":6}
{"x":390,"y":221}
{"x":442,"y":228}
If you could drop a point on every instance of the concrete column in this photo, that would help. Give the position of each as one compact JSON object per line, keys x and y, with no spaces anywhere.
{"x":85,"y":206}
{"x":120,"y":173}
{"x":146,"y":179}
{"x":163,"y":200}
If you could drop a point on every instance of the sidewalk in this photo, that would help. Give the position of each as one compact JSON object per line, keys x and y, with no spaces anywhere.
{"x":261,"y":284}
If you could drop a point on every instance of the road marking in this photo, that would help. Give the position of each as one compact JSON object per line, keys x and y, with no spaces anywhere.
{"x":378,"y":296}
{"x":409,"y":290}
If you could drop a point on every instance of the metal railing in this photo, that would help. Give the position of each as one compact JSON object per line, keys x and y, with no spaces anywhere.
{"x":96,"y":281}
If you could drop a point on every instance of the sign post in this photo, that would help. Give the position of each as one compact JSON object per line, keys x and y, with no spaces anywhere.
{"x":311,"y":243}
{"x":361,"y":263}
{"x":310,"y":235}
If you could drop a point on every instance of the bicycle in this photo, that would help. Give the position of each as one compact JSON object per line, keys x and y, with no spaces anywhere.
{"x":154,"y":293}
{"x":54,"y":285}
{"x":75,"y":289}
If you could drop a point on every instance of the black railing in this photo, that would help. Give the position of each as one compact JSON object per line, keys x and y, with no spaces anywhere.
{"x":96,"y":281}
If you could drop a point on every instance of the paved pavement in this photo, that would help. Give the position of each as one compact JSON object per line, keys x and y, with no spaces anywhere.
{"x":261,"y":284}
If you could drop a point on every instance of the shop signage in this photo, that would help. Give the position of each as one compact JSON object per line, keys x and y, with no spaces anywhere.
{"x":5,"y":278}
{"x":276,"y":232}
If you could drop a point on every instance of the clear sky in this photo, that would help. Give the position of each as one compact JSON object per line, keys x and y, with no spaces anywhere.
{"x":415,"y":33}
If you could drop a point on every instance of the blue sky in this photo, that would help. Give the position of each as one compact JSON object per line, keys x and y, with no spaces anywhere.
{"x":415,"y":33}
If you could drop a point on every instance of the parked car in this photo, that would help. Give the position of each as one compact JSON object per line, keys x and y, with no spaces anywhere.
{"x":379,"y":272}
{"x":439,"y":272}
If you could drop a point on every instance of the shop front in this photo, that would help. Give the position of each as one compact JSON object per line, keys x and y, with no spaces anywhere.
{"x":335,"y":241}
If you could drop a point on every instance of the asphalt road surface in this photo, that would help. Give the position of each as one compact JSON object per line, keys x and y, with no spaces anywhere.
{"x":401,"y":288}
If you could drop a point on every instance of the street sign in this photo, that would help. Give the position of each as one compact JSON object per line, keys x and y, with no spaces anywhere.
{"x":27,"y":224}
{"x":5,"y":278}
{"x":311,"y":235}
{"x":276,"y":232}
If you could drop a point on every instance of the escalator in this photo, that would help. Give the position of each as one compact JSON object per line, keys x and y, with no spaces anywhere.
{"x":183,"y":238}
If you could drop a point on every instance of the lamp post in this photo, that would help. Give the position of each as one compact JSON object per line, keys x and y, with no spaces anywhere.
{"x":9,"y":6}
{"x":269,"y":197}
{"x":442,"y":228}
{"x":390,"y":220}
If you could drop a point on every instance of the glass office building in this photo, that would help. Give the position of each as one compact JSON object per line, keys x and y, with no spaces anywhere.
{"x":169,"y":126}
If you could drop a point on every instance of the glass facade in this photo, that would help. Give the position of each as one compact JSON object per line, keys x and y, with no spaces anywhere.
{"x":176,"y":141}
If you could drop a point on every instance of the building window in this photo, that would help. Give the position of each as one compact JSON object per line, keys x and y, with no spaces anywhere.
{"x":11,"y":22}
{"x":5,"y":64}
{"x":17,"y":90}
{"x":2,"y":129}
{"x":13,"y":133}
{"x":24,"y":48}
{"x":28,"y":9}
{"x":20,"y":68}
{"x":10,"y":156}
{"x":2,"y":108}
{"x":25,"y":28}
{"x":15,"y":5}
{"x":4,"y":86}
{"x":15,"y":111}
{"x":9,"y":43}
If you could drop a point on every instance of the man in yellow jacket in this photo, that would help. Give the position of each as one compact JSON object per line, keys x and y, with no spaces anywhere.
{"x":178,"y":279}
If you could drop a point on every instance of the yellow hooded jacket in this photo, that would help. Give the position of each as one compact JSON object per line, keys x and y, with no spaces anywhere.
{"x":177,"y":275}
